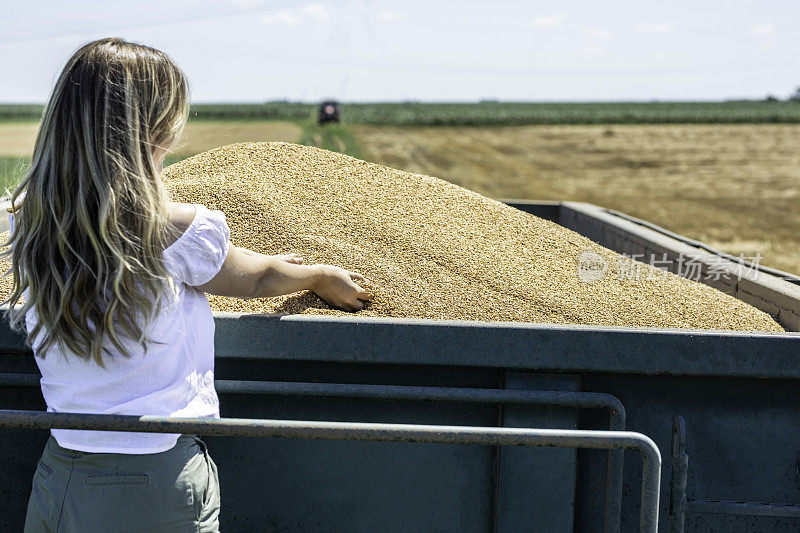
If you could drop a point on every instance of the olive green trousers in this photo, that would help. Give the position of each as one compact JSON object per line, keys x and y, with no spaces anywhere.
{"x":74,"y":491}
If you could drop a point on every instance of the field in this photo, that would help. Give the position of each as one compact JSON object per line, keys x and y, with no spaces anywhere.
{"x":734,"y":186}
{"x":17,"y":138}
{"x":493,"y":113}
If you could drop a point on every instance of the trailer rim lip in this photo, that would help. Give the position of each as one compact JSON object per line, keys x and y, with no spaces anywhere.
{"x":500,"y":324}
{"x":547,"y":326}
{"x":519,"y":346}
{"x":524,"y":346}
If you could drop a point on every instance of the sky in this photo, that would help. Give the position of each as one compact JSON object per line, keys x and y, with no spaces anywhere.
{"x":436,"y":50}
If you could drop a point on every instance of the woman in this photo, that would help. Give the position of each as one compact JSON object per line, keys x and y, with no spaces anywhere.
{"x":109,"y":282}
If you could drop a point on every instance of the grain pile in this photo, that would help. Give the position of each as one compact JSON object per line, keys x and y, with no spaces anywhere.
{"x":431,"y":249}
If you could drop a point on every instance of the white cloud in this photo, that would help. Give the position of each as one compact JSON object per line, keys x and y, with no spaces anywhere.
{"x":762,"y":30}
{"x":246,"y":4}
{"x":593,"y":50}
{"x":600,"y":34}
{"x":389,"y":15}
{"x":651,"y":27}
{"x":285,"y":17}
{"x":548,"y":21}
{"x":292,"y":17}
{"x":317,"y":11}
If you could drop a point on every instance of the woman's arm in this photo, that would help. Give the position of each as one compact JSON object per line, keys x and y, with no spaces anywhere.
{"x":247,"y":274}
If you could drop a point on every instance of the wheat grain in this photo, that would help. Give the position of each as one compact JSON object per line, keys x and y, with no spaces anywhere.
{"x":431,"y":249}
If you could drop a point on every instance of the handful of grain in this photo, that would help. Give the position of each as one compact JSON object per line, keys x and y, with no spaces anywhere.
{"x":431,"y":249}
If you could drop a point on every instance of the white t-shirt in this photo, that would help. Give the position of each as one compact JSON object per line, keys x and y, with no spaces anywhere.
{"x":176,"y":375}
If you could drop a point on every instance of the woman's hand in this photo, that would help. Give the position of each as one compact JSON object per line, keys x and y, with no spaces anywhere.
{"x":338,"y":287}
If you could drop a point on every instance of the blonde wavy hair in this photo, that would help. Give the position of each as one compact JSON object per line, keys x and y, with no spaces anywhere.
{"x":90,"y":220}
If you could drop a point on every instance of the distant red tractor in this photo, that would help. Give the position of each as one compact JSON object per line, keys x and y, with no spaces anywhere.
{"x":328,"y":112}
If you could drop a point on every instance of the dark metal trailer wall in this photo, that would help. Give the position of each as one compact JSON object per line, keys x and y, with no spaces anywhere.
{"x":737,"y":393}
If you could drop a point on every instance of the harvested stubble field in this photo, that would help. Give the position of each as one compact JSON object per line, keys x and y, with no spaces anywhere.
{"x":735,"y":187}
{"x":430,"y":249}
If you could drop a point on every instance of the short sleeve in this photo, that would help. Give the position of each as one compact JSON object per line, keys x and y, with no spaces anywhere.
{"x":197,"y":256}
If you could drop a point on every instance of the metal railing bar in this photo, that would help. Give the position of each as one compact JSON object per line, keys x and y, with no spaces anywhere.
{"x":614,"y":467}
{"x":399,"y":392}
{"x":614,"y":472}
{"x":239,"y":427}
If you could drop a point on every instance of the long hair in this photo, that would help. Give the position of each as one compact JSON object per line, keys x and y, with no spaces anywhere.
{"x":90,"y":219}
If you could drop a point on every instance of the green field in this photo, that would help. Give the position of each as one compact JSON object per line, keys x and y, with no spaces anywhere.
{"x":492,"y":113}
